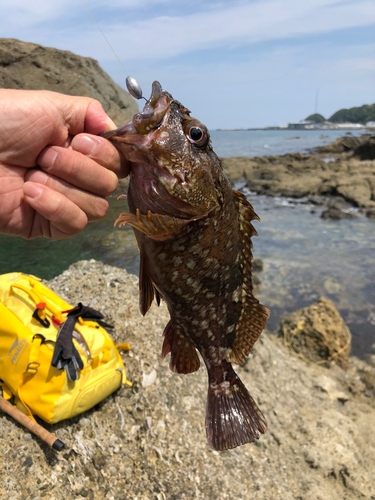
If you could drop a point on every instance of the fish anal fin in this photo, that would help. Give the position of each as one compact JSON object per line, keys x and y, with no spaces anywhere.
{"x":146,"y":287}
{"x":184,"y":356}
{"x":232,"y":416}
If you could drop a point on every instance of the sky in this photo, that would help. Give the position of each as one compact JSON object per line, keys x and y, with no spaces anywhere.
{"x":234,"y":64}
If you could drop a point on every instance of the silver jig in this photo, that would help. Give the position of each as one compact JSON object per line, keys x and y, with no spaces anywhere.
{"x":134,"y":87}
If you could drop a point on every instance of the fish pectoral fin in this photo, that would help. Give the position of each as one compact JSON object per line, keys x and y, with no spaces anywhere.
{"x":184,"y":356}
{"x":146,"y":287}
{"x":249,"y":328}
{"x":156,"y":227}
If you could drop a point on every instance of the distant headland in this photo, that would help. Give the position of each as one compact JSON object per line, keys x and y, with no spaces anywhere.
{"x":361,"y":117}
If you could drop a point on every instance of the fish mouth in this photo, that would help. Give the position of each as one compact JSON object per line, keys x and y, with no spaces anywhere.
{"x":130,"y":137}
{"x":153,"y":112}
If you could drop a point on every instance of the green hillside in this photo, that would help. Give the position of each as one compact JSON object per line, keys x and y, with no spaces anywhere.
{"x":316,"y":117}
{"x":361,"y":114}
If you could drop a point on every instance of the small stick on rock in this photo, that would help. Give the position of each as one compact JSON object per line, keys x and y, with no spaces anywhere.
{"x":32,"y":426}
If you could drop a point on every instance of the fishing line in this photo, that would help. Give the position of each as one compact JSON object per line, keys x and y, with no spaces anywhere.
{"x":105,"y":38}
{"x":131,"y":84}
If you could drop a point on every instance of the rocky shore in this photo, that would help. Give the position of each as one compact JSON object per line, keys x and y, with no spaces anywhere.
{"x":148,"y":442}
{"x":345,"y":169}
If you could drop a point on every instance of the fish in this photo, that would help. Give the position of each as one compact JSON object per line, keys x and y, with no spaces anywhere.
{"x":193,"y":233}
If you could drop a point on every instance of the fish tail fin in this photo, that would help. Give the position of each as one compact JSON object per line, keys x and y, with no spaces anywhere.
{"x":232,"y":416}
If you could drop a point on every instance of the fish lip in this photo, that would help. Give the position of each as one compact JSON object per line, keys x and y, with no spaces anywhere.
{"x":124,"y":130}
{"x":153,"y":112}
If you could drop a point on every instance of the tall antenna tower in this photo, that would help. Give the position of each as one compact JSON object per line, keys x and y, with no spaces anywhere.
{"x":316,"y":100}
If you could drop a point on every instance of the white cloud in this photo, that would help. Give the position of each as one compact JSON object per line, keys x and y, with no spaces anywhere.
{"x":165,"y":37}
{"x":230,"y":24}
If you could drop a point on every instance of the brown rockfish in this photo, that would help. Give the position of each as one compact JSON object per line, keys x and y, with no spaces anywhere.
{"x":193,"y":233}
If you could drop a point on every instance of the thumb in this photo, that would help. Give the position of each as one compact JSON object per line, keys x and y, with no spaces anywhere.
{"x":83,"y":114}
{"x":97,"y":121}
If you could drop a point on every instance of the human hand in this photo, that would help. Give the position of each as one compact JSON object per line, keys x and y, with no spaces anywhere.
{"x":54,"y":176}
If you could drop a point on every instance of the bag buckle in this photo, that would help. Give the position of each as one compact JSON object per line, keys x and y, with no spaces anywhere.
{"x":32,"y":367}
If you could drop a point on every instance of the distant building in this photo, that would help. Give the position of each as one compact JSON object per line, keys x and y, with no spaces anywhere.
{"x":302,"y":125}
{"x":311,"y":125}
{"x":347,"y":126}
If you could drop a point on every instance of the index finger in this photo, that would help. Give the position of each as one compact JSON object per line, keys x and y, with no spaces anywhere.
{"x":103,"y":152}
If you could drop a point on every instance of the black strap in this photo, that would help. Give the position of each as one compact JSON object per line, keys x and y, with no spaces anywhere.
{"x":44,"y":322}
{"x":65,"y":355}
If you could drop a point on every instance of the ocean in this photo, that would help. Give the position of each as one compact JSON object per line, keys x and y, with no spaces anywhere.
{"x":228,"y":143}
{"x":304,"y":256}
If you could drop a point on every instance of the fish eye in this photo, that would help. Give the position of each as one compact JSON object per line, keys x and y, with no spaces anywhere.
{"x":196,"y":133}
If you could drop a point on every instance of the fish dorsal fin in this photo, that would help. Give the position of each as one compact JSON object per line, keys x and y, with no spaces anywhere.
{"x":146,"y":287}
{"x":254,"y":315}
{"x":184,"y":356}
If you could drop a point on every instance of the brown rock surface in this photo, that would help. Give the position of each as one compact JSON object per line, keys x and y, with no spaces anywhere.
{"x":32,"y":67}
{"x":334,"y":213}
{"x":318,"y":333}
{"x":148,"y":442}
{"x":297,"y":176}
{"x":362,"y":146}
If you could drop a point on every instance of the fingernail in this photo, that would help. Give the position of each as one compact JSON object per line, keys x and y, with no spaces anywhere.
{"x":39,"y":177}
{"x":85,"y":145}
{"x":47,"y":158}
{"x":32,"y":190}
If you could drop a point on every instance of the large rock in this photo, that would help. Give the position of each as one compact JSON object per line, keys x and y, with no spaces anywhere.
{"x":32,"y":67}
{"x":356,"y":190}
{"x":148,"y":441}
{"x":362,"y":146}
{"x":334,"y":213}
{"x":297,"y":176}
{"x":318,"y":334}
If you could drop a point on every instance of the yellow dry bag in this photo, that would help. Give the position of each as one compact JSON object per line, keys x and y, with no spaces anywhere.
{"x":56,"y":360}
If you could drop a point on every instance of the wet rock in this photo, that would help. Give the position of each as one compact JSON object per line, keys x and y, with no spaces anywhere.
{"x":256,"y":281}
{"x":257,"y":265}
{"x":298,"y":176}
{"x":30,"y":66}
{"x":336,"y":214}
{"x":340,"y":203}
{"x":318,"y":333}
{"x":370,"y":213}
{"x":360,"y":146}
{"x":366,"y":150}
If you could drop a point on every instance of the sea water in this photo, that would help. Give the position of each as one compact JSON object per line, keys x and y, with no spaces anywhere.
{"x":228,"y":143}
{"x":305,"y":257}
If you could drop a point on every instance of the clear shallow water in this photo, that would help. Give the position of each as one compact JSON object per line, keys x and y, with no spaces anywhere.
{"x":304,"y":256}
{"x":227,"y":143}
